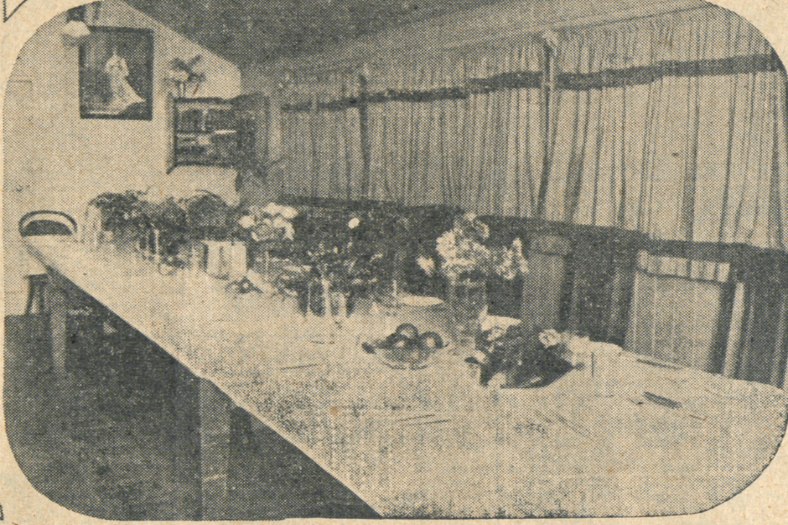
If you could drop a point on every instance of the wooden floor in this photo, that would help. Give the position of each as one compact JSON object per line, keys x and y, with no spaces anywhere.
{"x":100,"y":442}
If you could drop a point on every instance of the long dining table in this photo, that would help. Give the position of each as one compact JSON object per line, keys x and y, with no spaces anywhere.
{"x":637,"y":437}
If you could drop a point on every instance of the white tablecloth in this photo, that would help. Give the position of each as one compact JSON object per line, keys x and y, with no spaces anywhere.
{"x":432,"y":443}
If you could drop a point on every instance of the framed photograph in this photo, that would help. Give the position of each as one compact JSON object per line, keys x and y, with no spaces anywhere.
{"x":116,"y":74}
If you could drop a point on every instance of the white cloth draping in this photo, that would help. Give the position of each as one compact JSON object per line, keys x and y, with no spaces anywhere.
{"x":695,"y":157}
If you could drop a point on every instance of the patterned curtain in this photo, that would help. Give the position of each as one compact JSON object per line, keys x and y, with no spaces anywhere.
{"x":674,"y":126}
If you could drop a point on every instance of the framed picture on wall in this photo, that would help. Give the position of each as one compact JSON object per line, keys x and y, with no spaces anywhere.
{"x":116,"y":74}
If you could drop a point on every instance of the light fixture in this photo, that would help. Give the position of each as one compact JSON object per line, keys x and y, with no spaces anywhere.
{"x":75,"y":29}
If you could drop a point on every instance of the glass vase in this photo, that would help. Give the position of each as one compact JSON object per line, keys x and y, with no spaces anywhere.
{"x":467,"y":300}
{"x":319,"y":316}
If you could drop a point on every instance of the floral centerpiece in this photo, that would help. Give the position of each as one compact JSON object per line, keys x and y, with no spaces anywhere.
{"x":466,"y":262}
{"x":164,"y":227}
{"x":270,"y":230}
{"x":118,"y":210}
{"x":208,"y":216}
{"x":272,"y":223}
{"x":157,"y":224}
{"x":464,"y":255}
{"x":343,"y":255}
{"x":525,"y":357}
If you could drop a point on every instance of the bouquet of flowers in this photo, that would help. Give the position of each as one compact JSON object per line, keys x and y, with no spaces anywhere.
{"x":333,"y":250}
{"x":166,"y":217}
{"x":350,"y":253}
{"x":529,"y":358}
{"x":208,"y":216}
{"x":463,"y":254}
{"x":272,"y":223}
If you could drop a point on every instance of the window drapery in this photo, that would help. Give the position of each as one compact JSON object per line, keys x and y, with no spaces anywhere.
{"x":321,"y":139}
{"x":463,"y":130}
{"x":414,"y":129}
{"x":675,"y":127}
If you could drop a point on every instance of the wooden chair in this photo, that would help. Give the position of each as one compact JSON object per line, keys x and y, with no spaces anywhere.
{"x":544,"y":284}
{"x":757,"y":346}
{"x":680,"y":311}
{"x":43,"y":222}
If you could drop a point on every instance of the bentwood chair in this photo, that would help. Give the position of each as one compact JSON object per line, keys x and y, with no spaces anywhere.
{"x":43,"y":222}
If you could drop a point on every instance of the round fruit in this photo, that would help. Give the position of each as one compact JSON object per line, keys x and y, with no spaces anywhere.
{"x":413,"y":355}
{"x":430,"y":340}
{"x":401,"y":341}
{"x":408,"y":330}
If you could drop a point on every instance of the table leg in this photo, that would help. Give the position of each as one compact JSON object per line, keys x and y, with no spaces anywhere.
{"x":215,"y":409}
{"x":202,"y":444}
{"x":58,"y":313}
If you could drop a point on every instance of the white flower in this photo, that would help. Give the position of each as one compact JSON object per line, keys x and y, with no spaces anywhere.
{"x":496,"y":332}
{"x":272,"y":209}
{"x":354,"y":222}
{"x":178,"y":75}
{"x":279,"y":222}
{"x":447,"y":245}
{"x":288,"y":212}
{"x":483,"y":229}
{"x":464,"y":245}
{"x":427,"y":264}
{"x":289,"y":232}
{"x":247,"y":222}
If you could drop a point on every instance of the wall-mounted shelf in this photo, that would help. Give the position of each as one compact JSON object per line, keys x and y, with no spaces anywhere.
{"x":210,"y":132}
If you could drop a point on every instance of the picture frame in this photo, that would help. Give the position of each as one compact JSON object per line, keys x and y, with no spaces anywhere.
{"x":116,"y":74}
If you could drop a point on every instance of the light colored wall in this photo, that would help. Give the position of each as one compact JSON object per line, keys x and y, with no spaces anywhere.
{"x":55,"y":160}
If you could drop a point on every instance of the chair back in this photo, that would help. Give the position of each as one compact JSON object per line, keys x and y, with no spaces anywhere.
{"x":47,"y":222}
{"x":543,"y":285}
{"x":679,"y":311}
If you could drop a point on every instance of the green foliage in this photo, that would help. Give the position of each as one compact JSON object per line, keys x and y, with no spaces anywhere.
{"x":354,"y":250}
{"x":117,"y":209}
{"x":208,"y":216}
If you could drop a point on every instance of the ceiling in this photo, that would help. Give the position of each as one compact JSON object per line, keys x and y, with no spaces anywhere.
{"x":259,"y":31}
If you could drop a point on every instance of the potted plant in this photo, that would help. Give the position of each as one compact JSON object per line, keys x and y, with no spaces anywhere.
{"x":118,"y":214}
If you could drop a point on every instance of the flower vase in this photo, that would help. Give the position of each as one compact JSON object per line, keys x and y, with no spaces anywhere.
{"x":125,"y":237}
{"x":467,"y":300}
{"x":323,"y":327}
{"x":261,"y":262}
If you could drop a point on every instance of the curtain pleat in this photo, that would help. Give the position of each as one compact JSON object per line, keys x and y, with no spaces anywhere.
{"x":322,"y":145}
{"x":681,"y":156}
{"x":480,"y":152}
{"x":676,"y":127}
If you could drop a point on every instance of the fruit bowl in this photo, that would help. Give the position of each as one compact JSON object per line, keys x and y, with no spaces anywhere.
{"x":405,"y":349}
